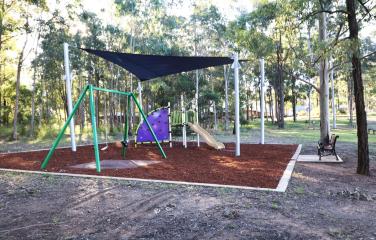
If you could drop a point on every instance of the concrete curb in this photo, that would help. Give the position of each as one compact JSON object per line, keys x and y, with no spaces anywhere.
{"x":285,"y":179}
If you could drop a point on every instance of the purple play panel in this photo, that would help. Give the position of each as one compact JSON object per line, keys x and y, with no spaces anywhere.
{"x":158,"y":120}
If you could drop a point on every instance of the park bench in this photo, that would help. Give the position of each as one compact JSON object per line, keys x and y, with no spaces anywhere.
{"x":328,"y":149}
{"x":371,"y":128}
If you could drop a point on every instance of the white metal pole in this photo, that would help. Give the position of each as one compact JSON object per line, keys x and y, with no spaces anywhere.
{"x":68,"y":86}
{"x":333,"y":98}
{"x":183,"y":122}
{"x":196,"y":103}
{"x":169,"y":124}
{"x":236,"y":67}
{"x":140,"y":94}
{"x":262,"y":100}
{"x":139,"y":88}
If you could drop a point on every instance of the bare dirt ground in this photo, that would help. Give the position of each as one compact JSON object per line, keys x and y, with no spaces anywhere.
{"x":323,"y":201}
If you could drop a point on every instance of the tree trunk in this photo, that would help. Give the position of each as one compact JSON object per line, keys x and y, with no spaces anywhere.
{"x":247,"y":111}
{"x":293,"y":99}
{"x":215,"y":115}
{"x":350,"y":94}
{"x":32,"y":122}
{"x":271,"y":105}
{"x":361,"y":115}
{"x":18,"y":79}
{"x":15,"y":117}
{"x":310,"y":87}
{"x":276,"y":105}
{"x":324,"y":84}
{"x":280,"y":86}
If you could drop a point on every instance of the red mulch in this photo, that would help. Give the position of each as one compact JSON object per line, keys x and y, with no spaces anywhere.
{"x":258,"y":166}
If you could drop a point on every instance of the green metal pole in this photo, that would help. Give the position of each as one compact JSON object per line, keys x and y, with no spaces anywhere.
{"x":150,"y":128}
{"x":126,"y":127}
{"x":60,"y":135}
{"x":94,"y":126}
{"x":111,"y":91}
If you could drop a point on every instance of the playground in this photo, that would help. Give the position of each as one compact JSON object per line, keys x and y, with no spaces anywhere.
{"x":187,"y":119}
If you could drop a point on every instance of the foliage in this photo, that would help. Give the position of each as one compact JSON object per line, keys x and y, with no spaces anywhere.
{"x":278,"y":31}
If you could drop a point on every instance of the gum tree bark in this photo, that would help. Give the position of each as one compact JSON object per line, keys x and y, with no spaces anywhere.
{"x":324,"y":84}
{"x":350,"y":94}
{"x":361,"y":115}
{"x":280,"y":87}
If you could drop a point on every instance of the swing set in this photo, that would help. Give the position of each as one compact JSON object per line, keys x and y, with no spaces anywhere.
{"x":90,"y":88}
{"x":145,"y":67}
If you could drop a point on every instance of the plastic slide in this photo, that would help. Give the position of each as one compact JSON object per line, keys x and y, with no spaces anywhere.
{"x":209,"y":139}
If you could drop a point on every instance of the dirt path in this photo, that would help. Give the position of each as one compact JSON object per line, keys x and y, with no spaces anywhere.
{"x":323,"y":201}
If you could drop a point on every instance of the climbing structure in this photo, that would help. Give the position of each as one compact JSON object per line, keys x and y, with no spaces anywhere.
{"x":159,"y":120}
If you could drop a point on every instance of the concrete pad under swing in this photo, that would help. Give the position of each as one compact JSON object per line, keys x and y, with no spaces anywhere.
{"x":315,"y":159}
{"x":116,"y":164}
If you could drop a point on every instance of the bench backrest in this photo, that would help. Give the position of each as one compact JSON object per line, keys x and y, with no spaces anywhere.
{"x":334,"y":140}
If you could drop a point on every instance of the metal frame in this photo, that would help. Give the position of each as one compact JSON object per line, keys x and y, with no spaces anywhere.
{"x":236,"y":67}
{"x":68,"y":86}
{"x":262,"y":100}
{"x":91,"y":88}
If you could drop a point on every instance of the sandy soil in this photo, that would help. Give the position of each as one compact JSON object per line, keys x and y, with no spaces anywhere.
{"x":323,"y":201}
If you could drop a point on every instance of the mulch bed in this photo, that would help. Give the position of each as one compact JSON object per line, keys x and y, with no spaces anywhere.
{"x":258,"y":166}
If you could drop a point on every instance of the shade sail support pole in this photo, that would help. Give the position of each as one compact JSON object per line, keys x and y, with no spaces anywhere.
{"x":139,"y":88}
{"x":196,"y":107}
{"x":184,"y":121}
{"x":262,"y":100}
{"x":236,"y":67}
{"x":68,"y":86}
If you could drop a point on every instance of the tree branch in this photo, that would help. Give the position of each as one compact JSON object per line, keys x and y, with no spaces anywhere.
{"x":361,"y":58}
{"x":365,"y":8}
{"x":303,"y":80}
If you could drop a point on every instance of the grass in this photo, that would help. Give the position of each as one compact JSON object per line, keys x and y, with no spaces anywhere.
{"x":301,"y":131}
{"x":294,"y":132}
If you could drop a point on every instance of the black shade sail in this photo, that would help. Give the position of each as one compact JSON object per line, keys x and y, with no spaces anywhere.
{"x":146,"y":67}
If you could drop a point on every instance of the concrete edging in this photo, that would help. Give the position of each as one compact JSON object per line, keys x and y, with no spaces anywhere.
{"x":285,"y":179}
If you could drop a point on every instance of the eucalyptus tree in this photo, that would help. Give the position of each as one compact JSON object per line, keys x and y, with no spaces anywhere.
{"x":264,"y":32}
{"x":361,"y":115}
{"x":51,"y":85}
{"x":342,"y":13}
{"x":9,"y":25}
{"x":209,"y":31}
{"x":24,"y":15}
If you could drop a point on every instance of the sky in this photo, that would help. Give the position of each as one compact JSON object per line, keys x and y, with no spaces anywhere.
{"x":229,"y":8}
